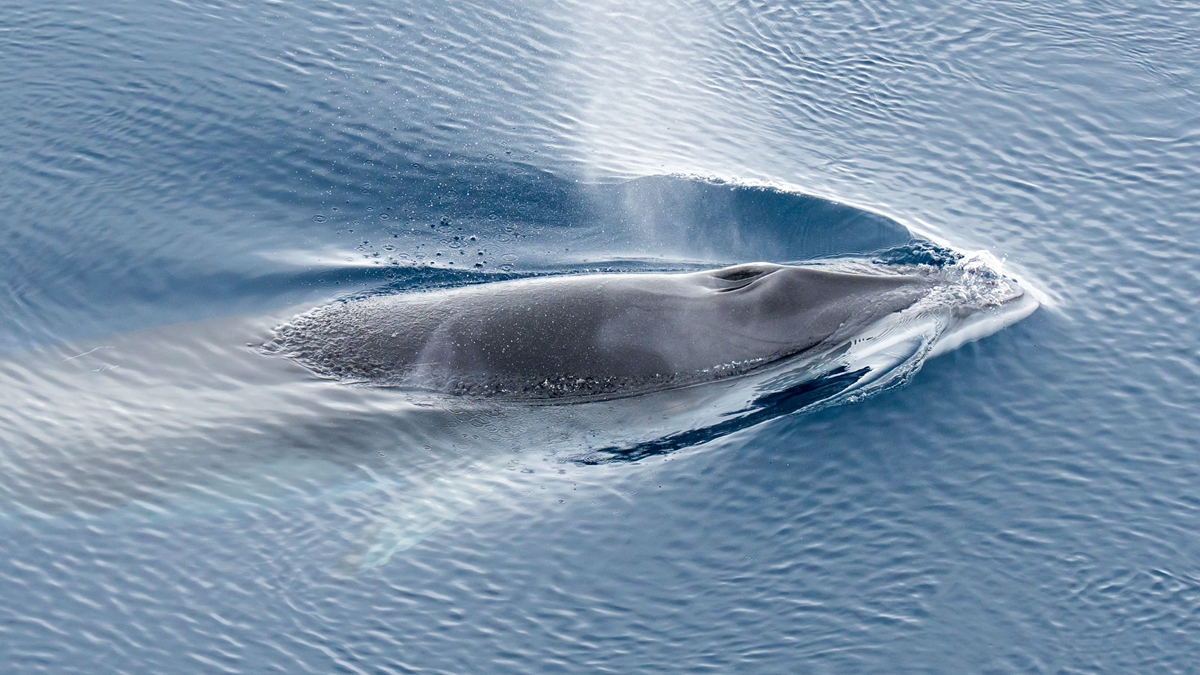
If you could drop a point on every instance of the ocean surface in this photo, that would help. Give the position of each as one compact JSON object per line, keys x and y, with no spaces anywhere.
{"x":178,"y":178}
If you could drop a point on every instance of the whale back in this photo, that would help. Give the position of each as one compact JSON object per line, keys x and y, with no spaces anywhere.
{"x":596,"y":335}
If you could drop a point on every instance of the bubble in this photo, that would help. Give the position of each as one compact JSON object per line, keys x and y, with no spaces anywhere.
{"x":319,"y":218}
{"x":491,"y":156}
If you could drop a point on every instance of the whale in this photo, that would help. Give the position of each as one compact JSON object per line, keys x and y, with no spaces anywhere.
{"x":405,"y":410}
{"x":593,"y":336}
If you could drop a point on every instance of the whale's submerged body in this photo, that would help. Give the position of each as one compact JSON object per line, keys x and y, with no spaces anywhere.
{"x":605,"y":336}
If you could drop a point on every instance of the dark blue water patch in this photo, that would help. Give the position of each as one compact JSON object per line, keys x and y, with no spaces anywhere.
{"x":174,"y":263}
{"x":718,"y":219}
{"x":766,"y":407}
{"x":675,"y":216}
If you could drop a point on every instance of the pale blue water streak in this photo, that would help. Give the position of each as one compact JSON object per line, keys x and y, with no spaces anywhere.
{"x":1029,"y":503}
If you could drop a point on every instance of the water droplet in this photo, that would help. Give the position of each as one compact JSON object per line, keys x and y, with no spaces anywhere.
{"x":320,"y":218}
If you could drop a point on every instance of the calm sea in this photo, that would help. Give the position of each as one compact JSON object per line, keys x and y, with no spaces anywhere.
{"x":178,"y":177}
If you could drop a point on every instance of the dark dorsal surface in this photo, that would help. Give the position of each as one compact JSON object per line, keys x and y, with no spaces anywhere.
{"x":591,"y":335}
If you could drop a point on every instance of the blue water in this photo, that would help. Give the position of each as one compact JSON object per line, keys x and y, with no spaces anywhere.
{"x":177,"y":178}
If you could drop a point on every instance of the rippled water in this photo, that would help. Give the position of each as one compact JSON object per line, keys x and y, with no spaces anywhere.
{"x":177,"y":179}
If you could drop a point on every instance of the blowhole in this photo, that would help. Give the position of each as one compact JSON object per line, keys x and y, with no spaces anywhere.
{"x":740,"y":273}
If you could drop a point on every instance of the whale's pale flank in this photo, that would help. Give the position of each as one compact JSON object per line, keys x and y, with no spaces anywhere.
{"x":596,"y":336}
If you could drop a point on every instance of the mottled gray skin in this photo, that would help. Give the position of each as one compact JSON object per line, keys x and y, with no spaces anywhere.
{"x":592,"y":336}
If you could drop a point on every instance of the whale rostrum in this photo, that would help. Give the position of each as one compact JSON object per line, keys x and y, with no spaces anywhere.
{"x":592,"y":336}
